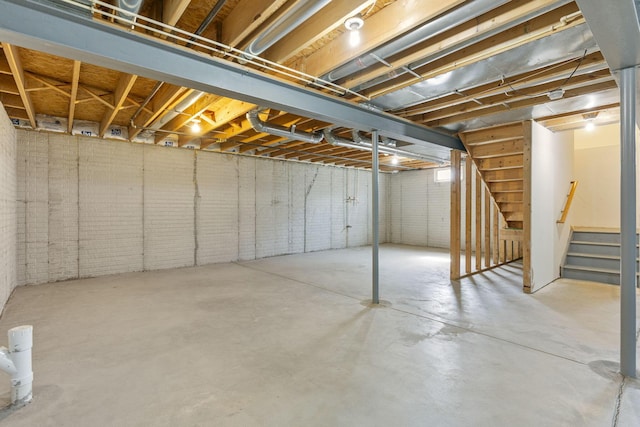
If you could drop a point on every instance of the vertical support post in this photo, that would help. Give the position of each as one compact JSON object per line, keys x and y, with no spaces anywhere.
{"x":467,"y":208}
{"x":627,"y":222}
{"x":487,"y":228}
{"x":375,"y":208}
{"x":478,"y":221}
{"x":496,"y":240}
{"x":526,"y":206}
{"x":454,"y":243}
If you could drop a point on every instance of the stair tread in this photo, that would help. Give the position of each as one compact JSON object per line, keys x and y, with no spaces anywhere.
{"x":592,"y":269}
{"x":586,"y":242}
{"x":580,"y":254}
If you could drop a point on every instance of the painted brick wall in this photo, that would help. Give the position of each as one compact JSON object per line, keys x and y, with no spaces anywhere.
{"x":89,"y":207}
{"x":217,"y":208}
{"x":169,"y":196}
{"x":419,"y":209}
{"x":8,"y":224}
{"x":110,"y":207}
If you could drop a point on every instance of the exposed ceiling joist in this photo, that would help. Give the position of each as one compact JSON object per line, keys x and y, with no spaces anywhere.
{"x":15,"y":64}
{"x":75,"y":78}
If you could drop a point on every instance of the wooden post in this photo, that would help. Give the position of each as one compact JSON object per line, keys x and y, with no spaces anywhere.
{"x":478,"y":210}
{"x":487,"y":228}
{"x":454,"y":243}
{"x":467,"y":222}
{"x":496,"y":242}
{"x":526,"y":201}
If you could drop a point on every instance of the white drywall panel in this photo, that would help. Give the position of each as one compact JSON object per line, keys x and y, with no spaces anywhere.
{"x":33,"y":210}
{"x":216,"y":208}
{"x":8,"y":192}
{"x":246,"y":208}
{"x":169,"y":208}
{"x":63,"y":207}
{"x":110,"y":208}
{"x":317,"y":209}
{"x":551,"y":174}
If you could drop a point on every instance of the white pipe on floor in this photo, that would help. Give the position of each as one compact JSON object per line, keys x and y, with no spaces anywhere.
{"x":16,"y":361}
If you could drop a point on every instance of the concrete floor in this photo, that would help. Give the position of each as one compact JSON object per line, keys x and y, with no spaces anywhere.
{"x":288,"y":341}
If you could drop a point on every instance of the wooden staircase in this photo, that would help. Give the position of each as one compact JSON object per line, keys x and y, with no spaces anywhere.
{"x":498,"y":154}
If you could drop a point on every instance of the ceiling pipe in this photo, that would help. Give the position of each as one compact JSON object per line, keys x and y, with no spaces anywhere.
{"x":291,"y":132}
{"x":203,"y":26}
{"x":289,"y":21}
{"x":359,"y":139}
{"x":179,"y":109}
{"x":364,"y":145}
{"x":441,"y":53}
{"x":430,"y":29}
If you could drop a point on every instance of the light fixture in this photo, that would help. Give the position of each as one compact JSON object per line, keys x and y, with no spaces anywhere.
{"x":556,"y":94}
{"x":590,"y":119}
{"x":395,"y":160}
{"x":353,"y":24}
{"x":195,"y":126}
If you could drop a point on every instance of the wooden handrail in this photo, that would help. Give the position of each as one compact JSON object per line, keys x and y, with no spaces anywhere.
{"x":567,"y":203}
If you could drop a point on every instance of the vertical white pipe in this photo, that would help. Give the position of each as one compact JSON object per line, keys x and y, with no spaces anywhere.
{"x":20,"y":344}
{"x":628,"y":223}
{"x":375,"y":216}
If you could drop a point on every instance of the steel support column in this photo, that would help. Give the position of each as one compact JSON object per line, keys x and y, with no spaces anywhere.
{"x":628,"y":222}
{"x":375,"y":298}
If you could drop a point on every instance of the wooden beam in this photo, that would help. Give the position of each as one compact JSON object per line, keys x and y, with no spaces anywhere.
{"x":75,"y":78}
{"x":390,"y":22}
{"x":225,"y":111}
{"x":493,"y":134}
{"x":468,"y":178}
{"x":329,"y":18}
{"x":526,"y":223}
{"x":125,"y":83}
{"x":13,"y":58}
{"x":172,"y":10}
{"x":166,"y":96}
{"x":504,"y":162}
{"x":496,"y":149}
{"x":496,"y":239}
{"x":523,"y":103}
{"x":478,"y":210}
{"x":454,"y":240}
{"x":245,"y":18}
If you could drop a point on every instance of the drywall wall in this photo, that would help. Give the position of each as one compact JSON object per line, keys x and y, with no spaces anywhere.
{"x":597,"y":169}
{"x":7,"y":207}
{"x":90,"y":207}
{"x":551,"y":174}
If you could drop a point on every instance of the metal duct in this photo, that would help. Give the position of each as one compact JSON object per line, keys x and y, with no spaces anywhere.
{"x":291,"y":19}
{"x":430,"y":29}
{"x":260,"y":126}
{"x":364,"y":145}
{"x":131,"y":6}
{"x":183,"y":105}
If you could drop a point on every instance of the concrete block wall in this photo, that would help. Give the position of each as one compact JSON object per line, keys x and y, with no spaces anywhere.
{"x":8,"y":221}
{"x":419,"y":209}
{"x":90,"y":207}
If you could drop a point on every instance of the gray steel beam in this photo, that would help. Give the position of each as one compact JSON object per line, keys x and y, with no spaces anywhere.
{"x":628,"y":222}
{"x":59,"y":31}
{"x":375,"y":226}
{"x":615,"y":27}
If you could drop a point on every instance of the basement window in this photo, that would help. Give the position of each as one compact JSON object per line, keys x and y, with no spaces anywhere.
{"x":444,"y":175}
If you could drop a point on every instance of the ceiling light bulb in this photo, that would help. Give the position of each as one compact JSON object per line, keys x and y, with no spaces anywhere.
{"x":589,"y":126}
{"x":354,"y":38}
{"x":195,"y":127}
{"x":395,"y":160}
